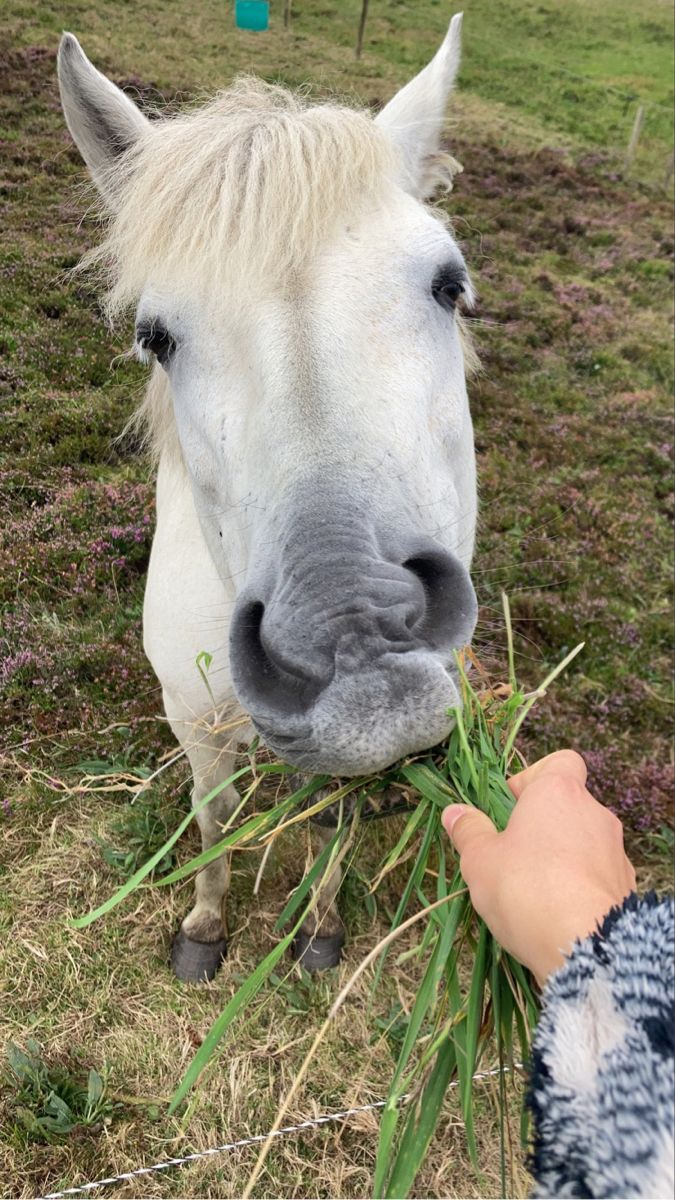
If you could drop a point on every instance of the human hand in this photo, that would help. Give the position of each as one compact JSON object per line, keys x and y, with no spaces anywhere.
{"x":554,"y":872}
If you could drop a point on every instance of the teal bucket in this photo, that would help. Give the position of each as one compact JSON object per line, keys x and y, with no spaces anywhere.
{"x":252,"y":14}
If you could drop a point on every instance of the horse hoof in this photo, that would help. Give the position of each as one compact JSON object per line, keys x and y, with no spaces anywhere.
{"x":196,"y":962}
{"x":318,"y":953}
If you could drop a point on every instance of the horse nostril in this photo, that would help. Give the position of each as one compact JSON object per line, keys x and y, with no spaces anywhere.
{"x":250,"y":627}
{"x":255,"y":614}
{"x":264,"y":680}
{"x":428,"y":571}
{"x":449,"y":613}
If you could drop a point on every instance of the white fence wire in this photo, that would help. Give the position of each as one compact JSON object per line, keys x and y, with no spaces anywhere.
{"x":257,"y":1139}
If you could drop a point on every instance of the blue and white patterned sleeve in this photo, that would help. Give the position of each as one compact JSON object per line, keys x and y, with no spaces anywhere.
{"x":602,"y":1087}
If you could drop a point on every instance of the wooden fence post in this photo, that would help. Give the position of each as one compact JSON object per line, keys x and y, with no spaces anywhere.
{"x":287,"y":13}
{"x":635,"y":135}
{"x":362,"y":28}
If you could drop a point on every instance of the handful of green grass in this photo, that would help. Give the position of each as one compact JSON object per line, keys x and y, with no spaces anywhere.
{"x":460,"y":1017}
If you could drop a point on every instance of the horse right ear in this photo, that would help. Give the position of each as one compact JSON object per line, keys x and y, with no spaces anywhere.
{"x":103,"y":121}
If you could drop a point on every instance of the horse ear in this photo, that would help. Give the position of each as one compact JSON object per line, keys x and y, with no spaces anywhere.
{"x":103,"y":121}
{"x":414,"y":118}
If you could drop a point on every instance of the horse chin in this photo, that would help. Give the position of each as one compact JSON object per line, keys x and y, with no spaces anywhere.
{"x":362,"y":724}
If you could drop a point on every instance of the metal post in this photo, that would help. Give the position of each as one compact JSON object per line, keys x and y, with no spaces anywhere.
{"x":362,"y":28}
{"x":635,"y":135}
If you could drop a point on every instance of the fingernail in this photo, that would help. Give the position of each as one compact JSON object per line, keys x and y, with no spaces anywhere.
{"x":450,"y":817}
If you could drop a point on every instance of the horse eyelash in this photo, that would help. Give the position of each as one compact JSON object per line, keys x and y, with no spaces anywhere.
{"x":145,"y":333}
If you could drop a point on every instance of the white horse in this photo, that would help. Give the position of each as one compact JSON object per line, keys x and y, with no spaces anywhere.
{"x":316,"y":495}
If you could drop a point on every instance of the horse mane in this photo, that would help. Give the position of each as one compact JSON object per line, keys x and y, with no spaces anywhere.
{"x":246,"y":186}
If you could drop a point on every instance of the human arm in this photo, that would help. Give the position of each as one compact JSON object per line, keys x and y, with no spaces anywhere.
{"x":556,"y":889}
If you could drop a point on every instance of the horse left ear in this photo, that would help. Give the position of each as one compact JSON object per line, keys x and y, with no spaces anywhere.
{"x":414,"y":118}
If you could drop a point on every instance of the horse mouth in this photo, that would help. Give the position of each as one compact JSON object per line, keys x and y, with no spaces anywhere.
{"x":363,"y":725}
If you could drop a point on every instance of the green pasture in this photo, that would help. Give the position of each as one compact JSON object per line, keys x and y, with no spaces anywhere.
{"x":575,"y":70}
{"x":572,"y":256}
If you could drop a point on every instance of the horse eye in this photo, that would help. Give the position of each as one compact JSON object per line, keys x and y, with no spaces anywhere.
{"x":155,"y":339}
{"x":447,"y":288}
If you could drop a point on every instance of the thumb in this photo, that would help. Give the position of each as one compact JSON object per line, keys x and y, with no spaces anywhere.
{"x":465,"y":825}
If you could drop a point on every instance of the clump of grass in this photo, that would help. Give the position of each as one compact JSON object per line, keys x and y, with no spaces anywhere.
{"x":456,"y":1014}
{"x":141,"y":829}
{"x":302,"y":995}
{"x":49,"y":1102}
{"x":663,"y":842}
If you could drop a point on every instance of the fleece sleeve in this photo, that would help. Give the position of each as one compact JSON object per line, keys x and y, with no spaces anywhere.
{"x":601,"y":1089}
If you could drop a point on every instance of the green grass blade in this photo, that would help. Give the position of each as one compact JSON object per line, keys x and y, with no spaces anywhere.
{"x":388,"y":1125}
{"x":501,"y":798}
{"x":426,"y":992}
{"x":541,"y":691}
{"x":220,"y":1026}
{"x":504,"y":1006}
{"x":467,"y":760}
{"x":411,"y":826}
{"x":420,"y":1126}
{"x":524,"y":981}
{"x":415,"y":874}
{"x":429,"y":783}
{"x":524,"y":1040}
{"x":142,"y":872}
{"x":300,"y":892}
{"x":256,"y":827}
{"x":426,"y":995}
{"x":509,"y":641}
{"x":457,"y":1006}
{"x":496,"y":991}
{"x":420,"y":948}
{"x":474,"y":1018}
{"x":441,"y":881}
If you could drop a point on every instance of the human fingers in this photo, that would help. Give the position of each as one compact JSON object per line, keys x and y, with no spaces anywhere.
{"x":465,"y":826}
{"x":562,"y":763}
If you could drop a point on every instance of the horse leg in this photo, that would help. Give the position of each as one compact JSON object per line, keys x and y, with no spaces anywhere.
{"x":318,"y":944}
{"x":201,"y":942}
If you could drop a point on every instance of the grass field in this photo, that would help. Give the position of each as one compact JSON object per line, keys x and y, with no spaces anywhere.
{"x":574,"y":434}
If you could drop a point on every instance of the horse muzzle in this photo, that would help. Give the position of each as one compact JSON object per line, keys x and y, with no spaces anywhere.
{"x":362,"y":723}
{"x":342,"y":643}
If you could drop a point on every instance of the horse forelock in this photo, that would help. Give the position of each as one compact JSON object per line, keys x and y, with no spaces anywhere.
{"x":248,"y":184}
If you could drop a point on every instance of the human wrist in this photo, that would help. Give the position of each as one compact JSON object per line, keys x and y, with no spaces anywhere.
{"x":578,"y":922}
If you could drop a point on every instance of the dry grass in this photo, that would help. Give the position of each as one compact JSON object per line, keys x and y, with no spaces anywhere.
{"x":106,"y":995}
